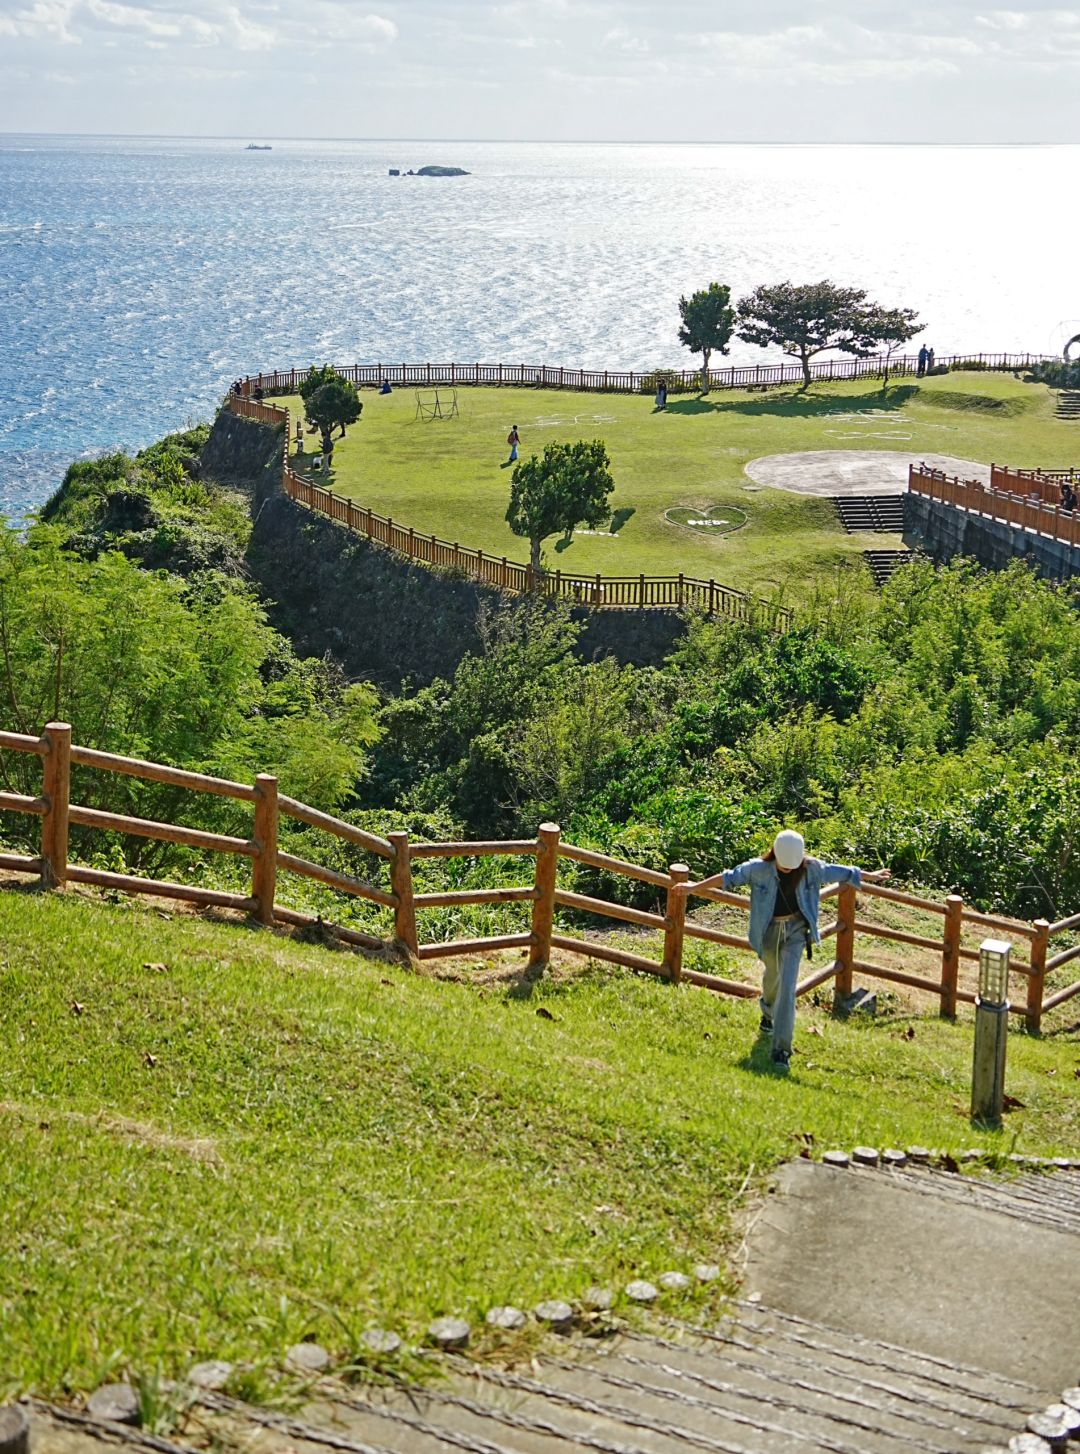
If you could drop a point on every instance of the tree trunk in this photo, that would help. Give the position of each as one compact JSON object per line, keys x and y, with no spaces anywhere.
{"x":534,"y":557}
{"x":706,"y":355}
{"x":804,"y":359}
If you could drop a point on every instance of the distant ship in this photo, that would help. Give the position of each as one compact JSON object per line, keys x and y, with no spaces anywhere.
{"x":254,"y":146}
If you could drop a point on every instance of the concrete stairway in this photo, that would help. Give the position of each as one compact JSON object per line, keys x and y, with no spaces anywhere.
{"x":870,"y":512}
{"x":760,"y":1383}
{"x":883,"y":563}
{"x":894,"y":1310}
{"x":1068,"y":404}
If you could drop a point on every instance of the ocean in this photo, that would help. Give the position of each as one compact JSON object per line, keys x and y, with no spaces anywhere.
{"x":138,"y":276}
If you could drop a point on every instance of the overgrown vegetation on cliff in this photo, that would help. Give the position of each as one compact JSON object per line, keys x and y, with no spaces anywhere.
{"x":179,"y":665}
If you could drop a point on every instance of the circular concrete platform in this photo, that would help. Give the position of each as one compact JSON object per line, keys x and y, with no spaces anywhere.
{"x":853,"y":471}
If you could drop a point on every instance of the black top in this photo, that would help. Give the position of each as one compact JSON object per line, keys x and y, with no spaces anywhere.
{"x":786,"y":902}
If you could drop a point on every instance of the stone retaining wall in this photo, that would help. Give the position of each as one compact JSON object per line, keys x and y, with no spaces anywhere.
{"x":943,"y":531}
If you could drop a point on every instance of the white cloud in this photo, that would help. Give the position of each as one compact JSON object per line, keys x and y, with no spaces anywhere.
{"x":1004,"y":20}
{"x":622,"y":40}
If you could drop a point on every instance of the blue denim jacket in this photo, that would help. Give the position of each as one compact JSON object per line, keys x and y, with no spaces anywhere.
{"x":762,"y":877}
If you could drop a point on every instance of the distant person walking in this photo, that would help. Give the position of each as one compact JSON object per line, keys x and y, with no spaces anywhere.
{"x":513,"y":439}
{"x":930,"y":361}
{"x":661,"y":395}
{"x":1068,"y":497}
{"x":785,"y":888}
{"x":924,"y":354}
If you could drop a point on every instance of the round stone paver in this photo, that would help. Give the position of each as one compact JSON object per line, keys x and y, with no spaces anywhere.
{"x":507,"y":1318}
{"x":641,"y":1291}
{"x":706,"y":1271}
{"x":853,"y":471}
{"x":14,"y":1430}
{"x":212,"y":1376}
{"x":380,"y":1340}
{"x":598,"y":1300}
{"x":674,"y":1281}
{"x":116,"y":1402}
{"x":307,"y":1359}
{"x":558,"y":1316}
{"x":449,"y":1332}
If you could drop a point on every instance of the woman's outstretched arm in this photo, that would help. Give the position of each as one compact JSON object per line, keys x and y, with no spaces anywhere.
{"x":728,"y":878}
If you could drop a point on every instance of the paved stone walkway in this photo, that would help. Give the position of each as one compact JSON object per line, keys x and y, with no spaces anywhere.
{"x":853,"y":471}
{"x":884,"y":1311}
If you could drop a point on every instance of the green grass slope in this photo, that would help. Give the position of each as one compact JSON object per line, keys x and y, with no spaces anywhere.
{"x":217,"y":1141}
{"x":445,"y":476}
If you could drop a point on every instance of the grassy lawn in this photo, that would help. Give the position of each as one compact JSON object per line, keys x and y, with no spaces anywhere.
{"x":217,"y":1141}
{"x":445,"y":476}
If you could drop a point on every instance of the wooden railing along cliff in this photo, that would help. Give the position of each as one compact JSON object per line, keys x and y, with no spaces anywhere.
{"x":543,"y":895}
{"x":597,"y":592}
{"x":1028,"y":499}
{"x":629,"y":381}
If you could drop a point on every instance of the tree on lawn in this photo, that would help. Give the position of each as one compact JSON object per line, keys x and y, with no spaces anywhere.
{"x":315,"y":378}
{"x":805,"y":319}
{"x":893,"y":328}
{"x":566,"y":487}
{"x":331,"y":406}
{"x":708,"y":321}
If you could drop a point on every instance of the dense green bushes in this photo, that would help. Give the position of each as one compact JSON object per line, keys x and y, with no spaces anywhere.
{"x":931,"y":728}
{"x":183,"y":671}
{"x":1056,"y":372}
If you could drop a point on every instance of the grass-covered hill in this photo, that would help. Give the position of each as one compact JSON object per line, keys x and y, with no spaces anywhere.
{"x":217,"y":1140}
{"x":445,"y":476}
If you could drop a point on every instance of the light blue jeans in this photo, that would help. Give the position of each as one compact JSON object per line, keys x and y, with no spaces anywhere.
{"x":782,"y":952}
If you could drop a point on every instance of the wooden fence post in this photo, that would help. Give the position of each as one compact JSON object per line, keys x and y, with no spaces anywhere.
{"x":264,"y":864}
{"x":56,"y":790}
{"x":402,"y":885}
{"x":543,"y":914}
{"x":845,"y":943}
{"x":675,"y":923}
{"x":950,"y":954}
{"x":1037,"y":981}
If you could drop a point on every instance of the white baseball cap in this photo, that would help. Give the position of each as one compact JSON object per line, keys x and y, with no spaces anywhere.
{"x":789,"y":849}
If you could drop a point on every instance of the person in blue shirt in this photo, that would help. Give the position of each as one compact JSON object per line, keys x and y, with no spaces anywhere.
{"x":785,"y":889}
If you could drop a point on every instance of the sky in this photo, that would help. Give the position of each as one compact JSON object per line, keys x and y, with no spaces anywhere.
{"x":603,"y":70}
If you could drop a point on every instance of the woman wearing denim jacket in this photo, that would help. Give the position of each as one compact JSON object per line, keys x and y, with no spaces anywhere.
{"x":785,"y":889}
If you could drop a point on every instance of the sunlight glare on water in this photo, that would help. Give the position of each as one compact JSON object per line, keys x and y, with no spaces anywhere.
{"x":138,"y":276}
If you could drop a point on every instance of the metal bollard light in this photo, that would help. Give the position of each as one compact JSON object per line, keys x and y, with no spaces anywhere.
{"x":991,"y":1031}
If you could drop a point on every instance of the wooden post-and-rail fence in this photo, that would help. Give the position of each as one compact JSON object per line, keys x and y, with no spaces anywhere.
{"x":543,"y":894}
{"x":596,"y":592}
{"x":628,"y":381}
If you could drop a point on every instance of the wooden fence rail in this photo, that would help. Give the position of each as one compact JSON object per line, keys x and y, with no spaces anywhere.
{"x":1034,"y":510}
{"x":625,"y":381}
{"x":596,"y":592}
{"x":543,"y":894}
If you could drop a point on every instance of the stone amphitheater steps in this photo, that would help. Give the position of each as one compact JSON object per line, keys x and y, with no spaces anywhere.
{"x":881,"y":513}
{"x":1068,"y":404}
{"x":883,"y":563}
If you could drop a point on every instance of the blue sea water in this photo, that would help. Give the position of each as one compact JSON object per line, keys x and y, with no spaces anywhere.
{"x":138,"y":276}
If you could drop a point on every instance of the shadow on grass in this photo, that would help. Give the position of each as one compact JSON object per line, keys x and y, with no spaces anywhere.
{"x":618,"y":520}
{"x":759,"y":1060}
{"x":795,"y":404}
